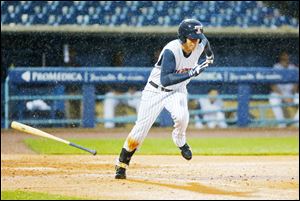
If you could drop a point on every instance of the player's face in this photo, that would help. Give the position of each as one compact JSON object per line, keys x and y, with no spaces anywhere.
{"x":284,"y":60}
{"x":191,"y":44}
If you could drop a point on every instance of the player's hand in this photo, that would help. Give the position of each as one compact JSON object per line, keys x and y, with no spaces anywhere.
{"x":210,"y":59}
{"x":198,"y":69}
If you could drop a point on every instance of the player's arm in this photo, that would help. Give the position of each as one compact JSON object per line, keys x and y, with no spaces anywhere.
{"x":207,"y":50}
{"x":275,"y":89}
{"x":295,"y":88}
{"x":168,"y":70}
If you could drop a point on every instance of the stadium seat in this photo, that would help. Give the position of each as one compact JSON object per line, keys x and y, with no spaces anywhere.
{"x":144,"y":13}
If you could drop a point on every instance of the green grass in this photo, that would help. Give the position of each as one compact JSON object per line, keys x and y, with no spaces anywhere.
{"x":165,"y":146}
{"x":23,"y":195}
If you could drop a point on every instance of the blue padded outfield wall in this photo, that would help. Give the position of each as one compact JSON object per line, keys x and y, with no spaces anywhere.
{"x":21,"y":80}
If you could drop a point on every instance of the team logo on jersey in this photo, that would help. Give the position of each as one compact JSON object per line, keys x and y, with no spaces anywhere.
{"x":198,"y":29}
{"x":183,"y":70}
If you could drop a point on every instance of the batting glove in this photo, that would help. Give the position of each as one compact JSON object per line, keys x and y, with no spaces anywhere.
{"x":210,"y":59}
{"x":198,"y":69}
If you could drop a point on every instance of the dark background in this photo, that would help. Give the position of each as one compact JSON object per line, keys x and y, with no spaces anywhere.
{"x":27,"y":49}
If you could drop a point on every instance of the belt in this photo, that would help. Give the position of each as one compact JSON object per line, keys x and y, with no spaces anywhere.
{"x":159,"y":87}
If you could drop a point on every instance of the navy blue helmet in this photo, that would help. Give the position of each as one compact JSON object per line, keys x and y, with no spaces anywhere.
{"x":190,"y":28}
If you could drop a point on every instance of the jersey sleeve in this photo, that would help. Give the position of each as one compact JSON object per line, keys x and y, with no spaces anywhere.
{"x":207,"y":49}
{"x":168,"y":70}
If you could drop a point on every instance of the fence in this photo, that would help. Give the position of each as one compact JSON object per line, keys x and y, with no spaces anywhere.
{"x":21,"y":80}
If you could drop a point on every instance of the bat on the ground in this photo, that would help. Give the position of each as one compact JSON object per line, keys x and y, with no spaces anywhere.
{"x":34,"y":131}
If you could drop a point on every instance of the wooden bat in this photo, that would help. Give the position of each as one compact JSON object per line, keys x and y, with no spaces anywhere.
{"x":34,"y":131}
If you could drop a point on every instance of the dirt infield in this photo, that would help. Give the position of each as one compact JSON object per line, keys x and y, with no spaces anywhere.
{"x":149,"y":177}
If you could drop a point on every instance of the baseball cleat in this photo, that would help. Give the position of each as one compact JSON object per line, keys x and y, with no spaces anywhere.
{"x":186,"y":152}
{"x":120,"y":173}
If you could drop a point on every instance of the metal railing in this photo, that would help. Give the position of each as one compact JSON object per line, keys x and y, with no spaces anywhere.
{"x":261,"y":121}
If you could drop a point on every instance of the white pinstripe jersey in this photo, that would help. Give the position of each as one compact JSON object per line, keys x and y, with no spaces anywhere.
{"x":181,"y":62}
{"x":285,"y":89}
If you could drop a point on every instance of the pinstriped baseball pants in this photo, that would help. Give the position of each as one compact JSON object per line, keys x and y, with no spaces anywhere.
{"x":152,"y":103}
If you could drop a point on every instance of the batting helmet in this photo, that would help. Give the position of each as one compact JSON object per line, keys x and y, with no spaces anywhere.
{"x":190,"y":28}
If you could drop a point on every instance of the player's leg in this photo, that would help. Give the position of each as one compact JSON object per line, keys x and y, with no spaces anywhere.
{"x":216,"y":118}
{"x":135,"y":101}
{"x":150,"y":107}
{"x":221,"y":120}
{"x":219,"y":117}
{"x":177,"y":105}
{"x":209,"y":118}
{"x":296,"y":101}
{"x":296,"y":118}
{"x":198,"y":123}
{"x":199,"y":118}
{"x":277,"y":110}
{"x":110,"y":104}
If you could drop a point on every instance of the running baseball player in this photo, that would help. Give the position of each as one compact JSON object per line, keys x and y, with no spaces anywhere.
{"x":166,"y":88}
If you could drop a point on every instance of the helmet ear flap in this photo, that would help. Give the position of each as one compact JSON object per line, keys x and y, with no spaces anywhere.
{"x":182,"y":38}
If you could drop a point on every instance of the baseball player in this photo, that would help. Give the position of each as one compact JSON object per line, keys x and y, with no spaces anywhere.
{"x":283,"y":90}
{"x":213,"y":103}
{"x":166,"y":88}
{"x":111,"y":102}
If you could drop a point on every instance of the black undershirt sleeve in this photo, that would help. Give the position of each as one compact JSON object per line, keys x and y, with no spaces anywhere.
{"x":168,"y":70}
{"x":207,"y":49}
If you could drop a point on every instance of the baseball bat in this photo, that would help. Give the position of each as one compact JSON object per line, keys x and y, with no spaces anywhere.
{"x":34,"y":131}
